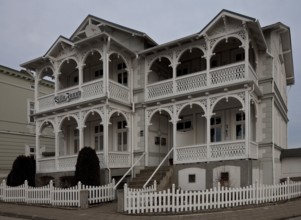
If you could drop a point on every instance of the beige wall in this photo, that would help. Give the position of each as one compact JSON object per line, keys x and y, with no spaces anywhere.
{"x":15,"y":129}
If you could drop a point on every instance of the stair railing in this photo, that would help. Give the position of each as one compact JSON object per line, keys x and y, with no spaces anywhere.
{"x":158,"y":167}
{"x":129,"y":170}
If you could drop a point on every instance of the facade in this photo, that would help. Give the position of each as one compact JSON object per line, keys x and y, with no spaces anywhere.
{"x":212,"y":104}
{"x":17,"y":125}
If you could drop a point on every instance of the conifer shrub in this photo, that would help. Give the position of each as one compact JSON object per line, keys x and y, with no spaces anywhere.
{"x":24,"y":168}
{"x":87,"y":169}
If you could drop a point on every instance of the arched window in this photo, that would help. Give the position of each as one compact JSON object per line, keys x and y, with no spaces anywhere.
{"x":160,"y":70}
{"x":191,"y":61}
{"x":93,"y":68}
{"x":227,"y":51}
{"x":118,"y":71}
{"x":68,"y":74}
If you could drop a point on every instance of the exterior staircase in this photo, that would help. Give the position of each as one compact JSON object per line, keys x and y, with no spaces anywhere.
{"x":142,"y":177}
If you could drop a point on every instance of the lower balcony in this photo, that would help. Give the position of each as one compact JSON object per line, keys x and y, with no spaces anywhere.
{"x":67,"y":163}
{"x":231,"y":150}
{"x":88,"y":91}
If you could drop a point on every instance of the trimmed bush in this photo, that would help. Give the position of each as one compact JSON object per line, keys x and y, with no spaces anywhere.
{"x":24,"y":168}
{"x":87,"y":169}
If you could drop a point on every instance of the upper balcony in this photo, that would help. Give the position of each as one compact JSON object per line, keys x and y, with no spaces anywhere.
{"x":75,"y":84}
{"x":229,"y":64}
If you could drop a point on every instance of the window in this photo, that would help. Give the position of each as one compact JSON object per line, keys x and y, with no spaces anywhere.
{"x":185,"y":124}
{"x":75,"y":140}
{"x":122,"y":75}
{"x":191,"y":178}
{"x":122,"y":136}
{"x":215,"y":129}
{"x":30,"y":112}
{"x":98,"y":137}
{"x":240,"y":126}
{"x":98,"y":74}
{"x":224,"y":179}
{"x":29,"y":150}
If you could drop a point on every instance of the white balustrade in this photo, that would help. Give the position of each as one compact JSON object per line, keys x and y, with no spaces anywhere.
{"x":217,"y":151}
{"x":92,"y":89}
{"x":191,"y":82}
{"x":191,"y":154}
{"x":119,"y":159}
{"x":159,"y":90}
{"x":227,"y":74}
{"x":67,"y":163}
{"x":119,"y":92}
{"x":228,"y":150}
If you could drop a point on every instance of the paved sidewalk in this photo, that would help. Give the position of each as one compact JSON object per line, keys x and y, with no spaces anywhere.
{"x":107,"y":211}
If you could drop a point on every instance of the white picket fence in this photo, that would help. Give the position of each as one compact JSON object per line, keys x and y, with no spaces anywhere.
{"x":56,"y":196}
{"x":176,"y":200}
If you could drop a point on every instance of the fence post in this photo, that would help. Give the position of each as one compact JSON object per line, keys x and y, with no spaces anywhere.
{"x":51,"y":193}
{"x":113,"y":190}
{"x":173,"y":197}
{"x":125,"y":195}
{"x":218,"y":194}
{"x":257,"y":191}
{"x":26,"y":191}
{"x":288,"y":188}
{"x":79,"y":187}
{"x":4,"y":190}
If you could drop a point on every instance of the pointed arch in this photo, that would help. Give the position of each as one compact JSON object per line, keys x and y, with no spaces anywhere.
{"x":119,"y":112}
{"x":236,"y":36}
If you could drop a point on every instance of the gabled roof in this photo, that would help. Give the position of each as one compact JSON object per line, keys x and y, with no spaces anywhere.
{"x":287,"y":54}
{"x":252,"y":24}
{"x":90,"y":19}
{"x":60,"y":41}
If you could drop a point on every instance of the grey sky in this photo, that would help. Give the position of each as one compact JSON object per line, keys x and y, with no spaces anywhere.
{"x":29,"y":28}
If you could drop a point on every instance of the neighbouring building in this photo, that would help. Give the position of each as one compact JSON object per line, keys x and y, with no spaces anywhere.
{"x":213,"y":104}
{"x":17,"y":124}
{"x":291,"y":163}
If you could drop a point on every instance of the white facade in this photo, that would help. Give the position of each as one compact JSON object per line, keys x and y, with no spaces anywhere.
{"x":218,"y":95}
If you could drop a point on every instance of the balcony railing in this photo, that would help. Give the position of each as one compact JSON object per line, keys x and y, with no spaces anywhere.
{"x":230,"y":150}
{"x":88,"y":91}
{"x":220,"y":76}
{"x":67,"y":163}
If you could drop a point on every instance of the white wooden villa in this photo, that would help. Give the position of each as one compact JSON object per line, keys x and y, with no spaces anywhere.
{"x":213,"y":104}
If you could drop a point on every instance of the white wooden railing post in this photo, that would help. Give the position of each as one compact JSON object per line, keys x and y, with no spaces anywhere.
{"x":79,"y":187}
{"x":51,"y":193}
{"x":288,"y":188}
{"x":173,"y":197}
{"x":218,"y":195}
{"x":26,"y":191}
{"x":125,"y":199}
{"x":257,"y":191}
{"x":4,"y":190}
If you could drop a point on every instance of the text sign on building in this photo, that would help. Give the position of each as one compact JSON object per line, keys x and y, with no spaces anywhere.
{"x":67,"y":97}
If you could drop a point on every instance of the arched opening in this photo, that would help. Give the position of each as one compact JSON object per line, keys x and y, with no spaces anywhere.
{"x":47,"y":140}
{"x":68,"y":75}
{"x":118,"y":133}
{"x":191,"y":61}
{"x":118,"y":71}
{"x":46,"y":75}
{"x":93,"y":132}
{"x":159,"y":137}
{"x":191,"y":128}
{"x":160,"y":70}
{"x":227,"y":51}
{"x":69,"y":137}
{"x":228,"y":121}
{"x":93,"y":68}
{"x":252,"y":57}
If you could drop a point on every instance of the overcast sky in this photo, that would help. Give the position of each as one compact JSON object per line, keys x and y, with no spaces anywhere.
{"x":29,"y":27}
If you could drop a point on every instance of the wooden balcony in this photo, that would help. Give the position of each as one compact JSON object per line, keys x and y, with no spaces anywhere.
{"x":88,"y":91}
{"x":231,"y":150}
{"x":200,"y":81}
{"x":67,"y":163}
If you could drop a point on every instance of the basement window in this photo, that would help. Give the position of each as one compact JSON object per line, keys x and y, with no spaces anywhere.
{"x":191,"y":178}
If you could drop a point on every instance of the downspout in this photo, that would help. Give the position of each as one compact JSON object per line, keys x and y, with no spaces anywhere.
{"x":273,"y":130}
